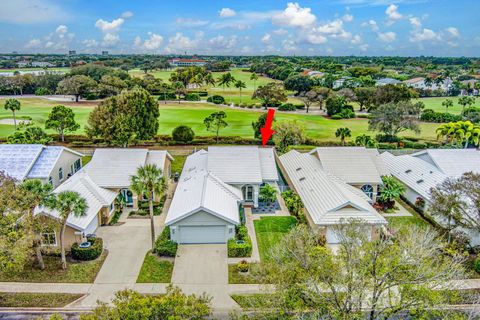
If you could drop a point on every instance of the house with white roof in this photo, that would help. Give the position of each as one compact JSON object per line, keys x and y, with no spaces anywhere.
{"x":358,"y":166}
{"x":452,"y":162}
{"x":329,"y":201}
{"x":213,"y":186}
{"x":113,"y":168}
{"x":50,"y":164}
{"x":100,"y":210}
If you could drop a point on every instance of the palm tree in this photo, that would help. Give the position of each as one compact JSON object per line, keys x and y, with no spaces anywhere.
{"x":39,"y":195}
{"x":343,"y":133}
{"x":428,"y":82}
{"x":447,"y":103}
{"x":445,"y":130}
{"x":461,"y":132}
{"x":239,"y":84}
{"x":225,"y":80}
{"x":67,"y":203}
{"x":254,"y":78}
{"x":13,"y":105}
{"x":149,"y":182}
{"x":208,"y":79}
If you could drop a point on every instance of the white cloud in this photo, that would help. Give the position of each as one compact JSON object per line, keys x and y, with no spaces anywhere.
{"x":315,"y":38}
{"x":289,"y":45}
{"x":191,"y":23}
{"x":280,"y":32}
{"x":334,"y":29}
{"x":90,"y":43}
{"x":34,"y":43}
{"x":266,"y":38}
{"x":61,"y":31}
{"x":425,"y":35}
{"x":227,"y":13}
{"x":415,"y":22}
{"x":154,"y":42}
{"x":363,"y":47}
{"x":357,"y":39}
{"x":453,"y":32}
{"x":392,"y":14}
{"x":295,"y":16}
{"x":113,"y":26}
{"x":31,"y":12}
{"x":234,"y":25}
{"x":347,"y":17}
{"x":110,"y":40}
{"x":58,"y":40}
{"x":372,"y":24}
{"x":180,"y":43}
{"x":127,"y":14}
{"x":222,"y":42}
{"x":137,"y":42}
{"x":387,"y":36}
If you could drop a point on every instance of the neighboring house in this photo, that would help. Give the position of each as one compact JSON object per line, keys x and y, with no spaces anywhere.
{"x":419,"y":83}
{"x":358,"y":166}
{"x":452,"y":162}
{"x":100,"y":210}
{"x":385,"y":81}
{"x":113,"y":168}
{"x":177,"y":62}
{"x":204,"y":209}
{"x":214,"y":184}
{"x":50,"y":164}
{"x":41,"y":64}
{"x":328,"y":200}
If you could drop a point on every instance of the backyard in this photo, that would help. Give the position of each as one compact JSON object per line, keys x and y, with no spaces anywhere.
{"x":192,"y":114}
{"x":269,"y":231}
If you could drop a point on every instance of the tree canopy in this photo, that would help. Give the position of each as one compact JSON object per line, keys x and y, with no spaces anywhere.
{"x":62,"y":119}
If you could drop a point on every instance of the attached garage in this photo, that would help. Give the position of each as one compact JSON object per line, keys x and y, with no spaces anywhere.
{"x":201,"y":234}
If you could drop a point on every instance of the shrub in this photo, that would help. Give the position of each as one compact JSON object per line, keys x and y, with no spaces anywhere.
{"x":200,"y":93}
{"x":293,"y":202}
{"x":476,"y":264}
{"x":386,"y":138}
{"x":164,"y":246}
{"x":43,"y":91}
{"x":90,"y":253}
{"x":216,"y":99}
{"x":428,"y":115}
{"x":346,"y":114}
{"x":336,"y":117}
{"x":183,"y":134}
{"x":287,"y":107}
{"x":243,"y":266}
{"x":167,"y":96}
{"x":192,"y":97}
{"x":237,"y":250}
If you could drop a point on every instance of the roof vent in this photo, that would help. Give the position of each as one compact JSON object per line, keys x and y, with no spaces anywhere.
{"x":302,"y":178}
{"x":420,"y":181}
{"x":192,"y":168}
{"x":408,"y":171}
{"x":187,"y":178}
{"x":298,"y":169}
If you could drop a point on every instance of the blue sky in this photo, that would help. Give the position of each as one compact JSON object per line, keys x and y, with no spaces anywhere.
{"x":243,"y":27}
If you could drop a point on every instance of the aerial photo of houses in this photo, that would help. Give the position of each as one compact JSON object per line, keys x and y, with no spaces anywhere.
{"x":254,"y":160}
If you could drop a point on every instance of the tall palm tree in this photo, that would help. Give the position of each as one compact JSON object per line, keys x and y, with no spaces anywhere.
{"x":447,"y":103}
{"x":225,"y":80}
{"x":13,"y":105}
{"x":149,"y":182}
{"x":254,"y":78}
{"x":343,"y":133}
{"x":208,"y":79}
{"x":39,"y":195}
{"x":68,"y":203}
{"x":239,"y":84}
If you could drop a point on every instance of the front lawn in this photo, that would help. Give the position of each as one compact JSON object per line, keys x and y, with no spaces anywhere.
{"x":269,"y":231}
{"x":256,"y":301}
{"x":415,"y":219}
{"x":76,"y":272}
{"x":236,"y":277}
{"x":155,"y":270}
{"x":36,"y":300}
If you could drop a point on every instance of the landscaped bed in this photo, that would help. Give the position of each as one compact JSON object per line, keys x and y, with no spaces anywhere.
{"x":270,"y":230}
{"x":36,"y":300}
{"x":155,"y":270}
{"x":76,"y":272}
{"x":236,"y":277}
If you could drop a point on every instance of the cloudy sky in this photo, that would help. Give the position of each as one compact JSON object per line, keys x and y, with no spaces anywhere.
{"x":250,"y":27}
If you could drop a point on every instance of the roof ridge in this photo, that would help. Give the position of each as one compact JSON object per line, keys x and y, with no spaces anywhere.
{"x":222,"y":184}
{"x":91,"y":187}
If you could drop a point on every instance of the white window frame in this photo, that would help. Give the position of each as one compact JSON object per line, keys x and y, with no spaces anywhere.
{"x":60,"y":174}
{"x":54,"y":233}
{"x":50,"y":180}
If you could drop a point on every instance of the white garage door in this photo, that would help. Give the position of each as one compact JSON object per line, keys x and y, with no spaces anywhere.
{"x":92,"y":227}
{"x":202,"y":234}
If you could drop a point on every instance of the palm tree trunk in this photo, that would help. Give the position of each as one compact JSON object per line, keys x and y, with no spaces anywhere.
{"x":14,"y":120}
{"x":152,"y":224}
{"x":62,"y":245}
{"x":62,"y":135}
{"x":38,"y":253}
{"x":240,"y":95}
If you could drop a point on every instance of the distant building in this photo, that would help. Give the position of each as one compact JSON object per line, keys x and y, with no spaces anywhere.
{"x":177,"y":62}
{"x":72,"y":52}
{"x":419,"y":83}
{"x":41,"y":64}
{"x":385,"y":81}
{"x":22,"y":64}
{"x":312,"y":73}
{"x":104,"y":53}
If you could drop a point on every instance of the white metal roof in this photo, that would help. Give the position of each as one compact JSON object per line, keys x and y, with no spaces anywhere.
{"x":22,"y":161}
{"x":414,"y":172}
{"x":355,"y":165}
{"x":452,"y":162}
{"x":200,"y":190}
{"x":327,"y":199}
{"x":95,"y":196}
{"x":242,"y":164}
{"x":112,"y":168}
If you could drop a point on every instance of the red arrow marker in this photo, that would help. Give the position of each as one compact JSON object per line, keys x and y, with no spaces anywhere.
{"x":267,"y":131}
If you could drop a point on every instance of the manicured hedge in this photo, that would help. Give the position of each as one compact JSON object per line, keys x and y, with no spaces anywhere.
{"x":164,"y":246}
{"x":90,"y":253}
{"x":192,"y":97}
{"x":167,"y":96}
{"x":287,"y":107}
{"x":216,"y":99}
{"x":238,"y":250}
{"x":428,"y":115}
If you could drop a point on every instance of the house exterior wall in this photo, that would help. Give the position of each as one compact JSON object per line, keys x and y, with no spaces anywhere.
{"x":65,"y":161}
{"x":201,"y":218}
{"x":256,"y":191}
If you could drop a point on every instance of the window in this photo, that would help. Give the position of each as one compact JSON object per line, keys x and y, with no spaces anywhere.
{"x":112,"y":206}
{"x":368,"y":190}
{"x":248,"y":193}
{"x":50,"y":180}
{"x":77,"y":165}
{"x":60,"y":174}
{"x":49,"y":238}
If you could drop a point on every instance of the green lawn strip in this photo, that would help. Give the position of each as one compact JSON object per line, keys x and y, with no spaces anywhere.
{"x":85,"y":160}
{"x":256,"y":301}
{"x":76,"y":272}
{"x":155,"y":270}
{"x":269,"y":231}
{"x":236,"y":277}
{"x":36,"y":300}
{"x":177,"y":164}
{"x":415,"y":219}
{"x":435,"y":104}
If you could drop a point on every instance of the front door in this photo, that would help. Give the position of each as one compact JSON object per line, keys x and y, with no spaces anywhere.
{"x":128,"y":196}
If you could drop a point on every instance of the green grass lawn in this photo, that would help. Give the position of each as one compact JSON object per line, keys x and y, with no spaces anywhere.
{"x":192,"y":114}
{"x":236,"y":277}
{"x":155,"y":270}
{"x":36,"y":300}
{"x":436,"y":104}
{"x":256,"y":301}
{"x":85,"y":160}
{"x":36,"y":69}
{"x":76,"y":272}
{"x":269,"y":231}
{"x":414,"y":220}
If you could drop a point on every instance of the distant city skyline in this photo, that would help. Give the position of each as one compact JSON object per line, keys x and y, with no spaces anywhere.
{"x":337,"y":27}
